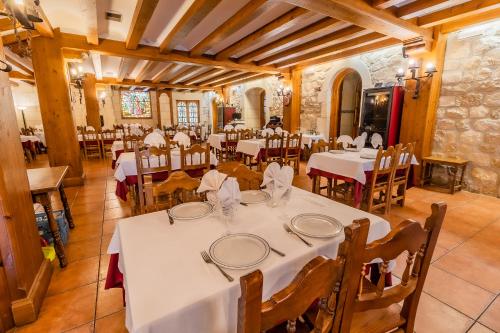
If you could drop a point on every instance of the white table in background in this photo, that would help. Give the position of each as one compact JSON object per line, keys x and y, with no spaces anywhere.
{"x":168,"y":286}
{"x":215,"y":140}
{"x":251,"y":147}
{"x":309,"y":139}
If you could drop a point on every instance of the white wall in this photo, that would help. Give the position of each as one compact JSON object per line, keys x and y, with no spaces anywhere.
{"x":25,"y":96}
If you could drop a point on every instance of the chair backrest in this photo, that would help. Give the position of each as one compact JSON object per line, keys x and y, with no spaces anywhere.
{"x":404,"y":155}
{"x":334,"y":145}
{"x":246,"y":134}
{"x":385,"y":163}
{"x":228,"y":167}
{"x":274,"y":147}
{"x":293,"y":145}
{"x":320,"y":146}
{"x":130,"y":141}
{"x":231,"y":135}
{"x":108,"y":134}
{"x":358,"y":294}
{"x":179,"y":187}
{"x":149,"y":161}
{"x":196,"y":158}
{"x":184,"y":130}
{"x":247,"y":179}
{"x":319,"y":280}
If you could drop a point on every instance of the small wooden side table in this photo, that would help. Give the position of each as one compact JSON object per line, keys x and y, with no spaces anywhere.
{"x":456,"y":171}
{"x":43,"y":181}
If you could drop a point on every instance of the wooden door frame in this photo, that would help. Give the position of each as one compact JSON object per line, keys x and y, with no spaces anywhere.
{"x":336,"y":100}
{"x":262,"y":114}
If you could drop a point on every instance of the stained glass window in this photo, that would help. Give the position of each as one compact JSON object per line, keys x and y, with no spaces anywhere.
{"x":187,"y":112}
{"x":193,"y":112}
{"x":135,"y":104}
{"x":181,"y":112}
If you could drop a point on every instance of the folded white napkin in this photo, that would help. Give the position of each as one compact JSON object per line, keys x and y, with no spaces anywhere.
{"x":278,"y":130}
{"x":211,"y":181}
{"x":228,"y":127}
{"x":346,"y":140}
{"x":154,"y":139}
{"x":159,"y":131}
{"x":239,"y":127}
{"x":182,"y":139}
{"x":135,"y":131}
{"x":229,"y":194}
{"x":359,"y":142}
{"x":278,"y":180}
{"x":89,"y":128}
{"x":267,"y":131}
{"x":376,"y":140}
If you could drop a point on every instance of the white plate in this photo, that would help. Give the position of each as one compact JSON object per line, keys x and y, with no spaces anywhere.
{"x":353,"y":149}
{"x":191,"y":210}
{"x":316,"y":225}
{"x":239,"y":251}
{"x":368,"y":156}
{"x":254,"y":196}
{"x":337,"y":151}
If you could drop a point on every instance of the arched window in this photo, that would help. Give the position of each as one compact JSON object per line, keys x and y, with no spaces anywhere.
{"x":188,"y":112}
{"x":193,"y":112}
{"x":181,"y":112}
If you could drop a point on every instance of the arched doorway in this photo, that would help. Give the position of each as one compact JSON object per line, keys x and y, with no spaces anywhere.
{"x":254,"y":108}
{"x":346,"y":103}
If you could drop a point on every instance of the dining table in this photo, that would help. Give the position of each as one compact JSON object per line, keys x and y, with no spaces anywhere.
{"x":42,"y":182}
{"x":168,"y":287}
{"x":350,"y":166}
{"x":126,"y":168}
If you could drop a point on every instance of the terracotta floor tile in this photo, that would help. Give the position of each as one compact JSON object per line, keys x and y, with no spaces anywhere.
{"x":108,"y":301}
{"x":111,"y":196}
{"x":89,"y":199}
{"x":478,"y":328}
{"x":103,"y":266}
{"x":81,"y":209}
{"x":118,"y":212}
{"x":76,"y":274}
{"x":65,"y":311}
{"x":87,"y":248}
{"x":105,"y":242}
{"x":434,"y":316}
{"x":114,"y":323}
{"x":108,"y":226}
{"x":491,"y":317}
{"x":87,"y":328}
{"x":116,"y":203}
{"x":85,"y":231}
{"x":457,"y":293}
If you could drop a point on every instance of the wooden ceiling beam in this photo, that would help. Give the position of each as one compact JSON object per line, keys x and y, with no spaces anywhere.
{"x":11,"y":38}
{"x":132,"y":83}
{"x":89,"y":12}
{"x":126,"y":67}
{"x":116,"y":48}
{"x":239,"y":79}
{"x":364,"y":15}
{"x":384,"y":4}
{"x":278,"y":25}
{"x":221,"y":77}
{"x":96,"y":62}
{"x":352,"y":43}
{"x":158,"y":76}
{"x":6,"y":24}
{"x":480,"y":18}
{"x":143,"y":12}
{"x":187,"y":74}
{"x":197,"y":11}
{"x":349,"y":53}
{"x":253,"y":78}
{"x":464,"y":10}
{"x":415,"y":8}
{"x":332,"y":38}
{"x":203,"y":76}
{"x":20,"y":76}
{"x":44,"y":28}
{"x":287,"y":40}
{"x":246,"y":14}
{"x":22,"y":63}
{"x":146,"y":68}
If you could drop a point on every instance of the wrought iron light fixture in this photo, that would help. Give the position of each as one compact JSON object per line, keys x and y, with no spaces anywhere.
{"x":413,"y":66}
{"x":102,"y":97}
{"x":77,"y":78}
{"x":284,"y":94}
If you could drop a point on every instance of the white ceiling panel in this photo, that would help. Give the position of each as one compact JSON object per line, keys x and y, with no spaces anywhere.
{"x":166,"y":11}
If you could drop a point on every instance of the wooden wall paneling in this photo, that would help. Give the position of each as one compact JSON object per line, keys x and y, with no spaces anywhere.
{"x":171,"y":103}
{"x":158,"y":111}
{"x":55,"y":107}
{"x":296,"y":100}
{"x":91,"y":102}
{"x":27,"y":273}
{"x":419,"y":115}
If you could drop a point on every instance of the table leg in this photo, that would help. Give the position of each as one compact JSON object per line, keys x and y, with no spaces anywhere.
{"x":454,"y":170}
{"x":44,"y":200}
{"x":462,"y":176}
{"x":67,"y":211}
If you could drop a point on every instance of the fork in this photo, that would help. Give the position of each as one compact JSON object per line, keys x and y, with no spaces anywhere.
{"x":209,"y":260}
{"x":290,"y":231}
{"x":170,"y":218}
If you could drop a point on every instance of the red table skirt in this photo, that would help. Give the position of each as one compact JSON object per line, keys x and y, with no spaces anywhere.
{"x":358,"y":187}
{"x":117,"y":154}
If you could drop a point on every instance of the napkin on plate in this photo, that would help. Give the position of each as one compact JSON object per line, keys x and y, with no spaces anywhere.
{"x":267,"y":131}
{"x":239,"y":127}
{"x":376,"y":140}
{"x":228,"y":127}
{"x":182,"y":139}
{"x":346,"y":140}
{"x":154,"y":139}
{"x":229,"y":194}
{"x":278,"y":180}
{"x":360,"y":141}
{"x":278,"y":130}
{"x":211,"y":183}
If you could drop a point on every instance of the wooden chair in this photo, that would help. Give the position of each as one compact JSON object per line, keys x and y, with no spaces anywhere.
{"x":380,"y":181}
{"x":318,"y":283}
{"x":91,"y":143}
{"x":246,"y":134}
{"x":178,"y":188}
{"x":195,"y":161}
{"x":152,"y":161}
{"x":371,"y":308}
{"x":320,"y":146}
{"x":107,"y":139}
{"x":170,"y":132}
{"x":291,"y":151}
{"x":247,"y":179}
{"x":273,"y":150}
{"x":334,"y":145}
{"x":228,"y":167}
{"x":130,"y":141}
{"x":229,"y":146}
{"x":404,"y":155}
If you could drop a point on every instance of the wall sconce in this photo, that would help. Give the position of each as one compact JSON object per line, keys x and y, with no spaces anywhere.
{"x":102,"y":97}
{"x":285,"y":94}
{"x":219,"y":100}
{"x":5,"y":67}
{"x":413,"y":67}
{"x":77,"y":78}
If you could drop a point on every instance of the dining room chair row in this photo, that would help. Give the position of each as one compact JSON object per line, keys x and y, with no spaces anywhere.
{"x":97,"y":143}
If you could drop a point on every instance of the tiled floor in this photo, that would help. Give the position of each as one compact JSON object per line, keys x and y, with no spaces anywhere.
{"x":461,"y":292}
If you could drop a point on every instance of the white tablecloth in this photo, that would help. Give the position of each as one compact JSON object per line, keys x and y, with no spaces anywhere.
{"x":169,"y":288}
{"x":117,"y":145}
{"x":215,"y":140}
{"x":125,"y":165}
{"x":308,"y":139}
{"x":251,"y":147}
{"x":32,"y":138}
{"x":118,"y":136}
{"x":348,"y":164}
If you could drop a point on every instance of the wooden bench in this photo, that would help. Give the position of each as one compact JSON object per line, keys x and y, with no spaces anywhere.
{"x":454,"y":166}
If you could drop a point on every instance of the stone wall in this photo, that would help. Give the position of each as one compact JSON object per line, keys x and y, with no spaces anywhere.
{"x":468,"y":118}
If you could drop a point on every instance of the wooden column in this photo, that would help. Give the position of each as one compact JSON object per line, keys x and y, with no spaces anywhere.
{"x":55,"y":107}
{"x":171,"y":103}
{"x":158,"y":109}
{"x":91,"y":102}
{"x":24,"y":273}
{"x":296,"y":100}
{"x":215,"y":114}
{"x":419,"y":115}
